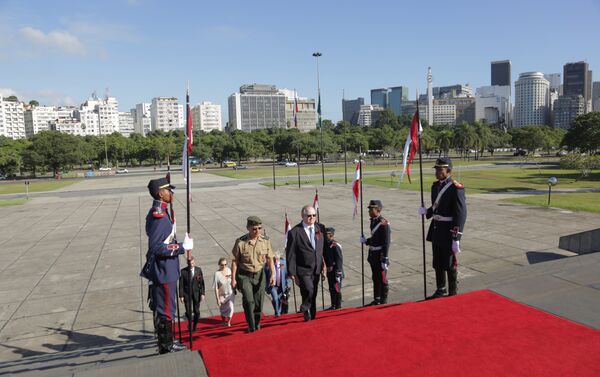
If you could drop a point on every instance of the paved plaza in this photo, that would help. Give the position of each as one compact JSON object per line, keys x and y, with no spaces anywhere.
{"x":69,"y":278}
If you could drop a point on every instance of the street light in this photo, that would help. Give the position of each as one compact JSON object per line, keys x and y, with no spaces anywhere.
{"x":317,"y":55}
{"x":551,"y":182}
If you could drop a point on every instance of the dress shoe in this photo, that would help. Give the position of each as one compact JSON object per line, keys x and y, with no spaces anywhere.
{"x":307,"y":316}
{"x":437,"y":294}
{"x":249,"y":330}
{"x":373,"y":303}
{"x":176,"y":346}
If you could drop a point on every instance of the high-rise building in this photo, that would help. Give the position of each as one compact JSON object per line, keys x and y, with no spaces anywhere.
{"x":380,"y":97}
{"x":39,"y":118}
{"x":554,"y":80}
{"x":351,"y":109}
{"x":463,"y":111}
{"x":166,"y":114}
{"x":12,"y":119}
{"x":306,"y":117}
{"x":567,"y":108}
{"x":452,"y":91}
{"x":596,"y":96}
{"x":501,"y":73}
{"x":531,"y":99}
{"x":142,"y":122}
{"x":577,"y":77}
{"x":396,"y":96}
{"x":369,"y":114}
{"x":126,"y":124}
{"x":206,"y":117}
{"x":256,"y":107}
{"x":108,"y":114}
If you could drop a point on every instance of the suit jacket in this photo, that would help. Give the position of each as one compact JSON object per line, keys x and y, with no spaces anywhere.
{"x":198,"y":288}
{"x":452,"y":204}
{"x":301,"y":258}
{"x":283,"y":282}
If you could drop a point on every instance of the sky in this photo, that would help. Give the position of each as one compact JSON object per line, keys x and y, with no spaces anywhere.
{"x":59,"y":52}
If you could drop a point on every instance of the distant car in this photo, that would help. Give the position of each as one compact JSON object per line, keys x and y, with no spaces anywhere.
{"x":229,"y":164}
{"x":2,"y":178}
{"x":290,"y":164}
{"x":239,"y":167}
{"x":194,"y":169}
{"x":520,"y":152}
{"x":282,"y":162}
{"x":561,"y":153}
{"x":104,"y":168}
{"x":122,"y":171}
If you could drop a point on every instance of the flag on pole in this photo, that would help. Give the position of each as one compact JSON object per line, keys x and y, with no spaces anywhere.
{"x":319,"y":109}
{"x":356,"y":188}
{"x":187,"y":145}
{"x":295,"y":109}
{"x":287,"y":228}
{"x":412,"y":145}
{"x":316,"y":201}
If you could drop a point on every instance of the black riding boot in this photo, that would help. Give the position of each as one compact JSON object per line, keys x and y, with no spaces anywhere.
{"x":452,"y":282}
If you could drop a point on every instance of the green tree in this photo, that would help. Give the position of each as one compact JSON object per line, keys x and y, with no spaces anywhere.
{"x":56,"y":150}
{"x":34,"y":103}
{"x":584,"y":133}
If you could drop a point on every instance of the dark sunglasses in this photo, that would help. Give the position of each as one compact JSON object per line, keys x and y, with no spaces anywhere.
{"x":311,"y":215}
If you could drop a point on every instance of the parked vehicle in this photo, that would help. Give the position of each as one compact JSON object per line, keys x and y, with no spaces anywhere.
{"x":290,"y":164}
{"x":240,"y":167}
{"x":104,"y":168}
{"x":229,"y":164}
{"x":122,"y":171}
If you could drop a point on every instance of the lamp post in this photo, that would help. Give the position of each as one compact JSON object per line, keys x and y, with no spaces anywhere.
{"x":345,"y":157}
{"x":551,"y":182}
{"x":317,"y":55}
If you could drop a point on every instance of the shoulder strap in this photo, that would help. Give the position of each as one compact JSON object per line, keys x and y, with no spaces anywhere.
{"x":439,"y":195}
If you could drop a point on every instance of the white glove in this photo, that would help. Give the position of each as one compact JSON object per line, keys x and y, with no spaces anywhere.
{"x":363,"y":240}
{"x":188,"y":243}
{"x":456,"y":247}
{"x":422,"y":211}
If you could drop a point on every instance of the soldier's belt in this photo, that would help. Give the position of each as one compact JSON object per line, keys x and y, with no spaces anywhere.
{"x":442,"y":218}
{"x":375,"y":248}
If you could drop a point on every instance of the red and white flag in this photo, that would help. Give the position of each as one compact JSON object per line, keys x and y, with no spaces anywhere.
{"x":356,"y":188}
{"x":316,"y":201}
{"x":287,"y":228}
{"x":412,"y":145}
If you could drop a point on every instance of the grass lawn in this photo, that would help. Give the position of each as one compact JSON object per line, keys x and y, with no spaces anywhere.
{"x":12,"y":202}
{"x":492,"y":180}
{"x":577,"y":201}
{"x":18,"y":187}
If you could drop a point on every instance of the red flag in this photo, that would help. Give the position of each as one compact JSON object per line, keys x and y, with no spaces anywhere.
{"x":287,"y":228}
{"x":316,"y":201}
{"x":356,"y":187}
{"x":412,"y":144}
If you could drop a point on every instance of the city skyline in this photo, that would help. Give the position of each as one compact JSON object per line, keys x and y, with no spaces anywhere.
{"x":60,"y":53}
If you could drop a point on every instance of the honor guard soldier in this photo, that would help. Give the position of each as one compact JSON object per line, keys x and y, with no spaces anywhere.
{"x":334,"y":262}
{"x":250,"y":253}
{"x":449,"y":214}
{"x":162,"y":262}
{"x":379,"y":244}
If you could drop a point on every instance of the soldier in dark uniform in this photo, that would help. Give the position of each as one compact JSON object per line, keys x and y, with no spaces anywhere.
{"x":250,"y":254}
{"x":449,"y":213}
{"x":379,"y":244}
{"x":162,"y":262}
{"x":334,"y":262}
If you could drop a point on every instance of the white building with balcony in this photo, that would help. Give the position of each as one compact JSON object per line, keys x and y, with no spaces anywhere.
{"x":532,"y":97}
{"x":12,"y":119}
{"x":166,"y":114}
{"x":206,"y":117}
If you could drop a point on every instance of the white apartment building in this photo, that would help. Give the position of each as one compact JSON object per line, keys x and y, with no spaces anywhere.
{"x":12,"y":119}
{"x":70,"y":126}
{"x":206,"y":117}
{"x":531,"y":99}
{"x":89,"y":120}
{"x":166,"y":114}
{"x":39,"y":118}
{"x":142,"y":119}
{"x":108,"y":114}
{"x":126,"y":126}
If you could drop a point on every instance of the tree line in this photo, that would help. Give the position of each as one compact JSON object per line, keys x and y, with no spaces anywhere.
{"x":55,"y":151}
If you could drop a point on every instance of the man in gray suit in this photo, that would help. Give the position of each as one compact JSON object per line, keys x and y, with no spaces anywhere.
{"x":304,"y":254}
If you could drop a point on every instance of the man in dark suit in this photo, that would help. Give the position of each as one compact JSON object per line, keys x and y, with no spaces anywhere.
{"x":197,"y":291}
{"x":304,"y":252}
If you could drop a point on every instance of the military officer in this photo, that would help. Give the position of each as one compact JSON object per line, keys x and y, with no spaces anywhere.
{"x":162,"y":261}
{"x":449,"y":214}
{"x":334,"y":262}
{"x":379,"y":244}
{"x":250,"y":253}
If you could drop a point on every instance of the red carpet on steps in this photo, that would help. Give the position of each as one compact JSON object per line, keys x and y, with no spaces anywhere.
{"x":472,"y":334}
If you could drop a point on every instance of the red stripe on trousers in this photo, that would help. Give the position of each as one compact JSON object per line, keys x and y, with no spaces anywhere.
{"x":167,"y":302}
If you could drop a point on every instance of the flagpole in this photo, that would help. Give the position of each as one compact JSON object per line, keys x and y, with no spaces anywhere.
{"x":319,"y":222}
{"x":362,"y":232}
{"x":171,"y":209}
{"x":298,"y":162}
{"x":317,"y":55}
{"x":422,"y":204}
{"x":187,"y":189}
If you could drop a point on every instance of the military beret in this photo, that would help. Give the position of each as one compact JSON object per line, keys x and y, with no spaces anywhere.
{"x":156,"y":184}
{"x":330,"y":230}
{"x":375,"y":204}
{"x":443,"y":162}
{"x":253,"y":220}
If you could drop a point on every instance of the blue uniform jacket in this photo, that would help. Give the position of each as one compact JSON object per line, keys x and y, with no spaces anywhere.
{"x":452,"y":205}
{"x":162,"y":258}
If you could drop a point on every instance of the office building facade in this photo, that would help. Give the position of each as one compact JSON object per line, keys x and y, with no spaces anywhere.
{"x":257,"y":107}
{"x":501,"y":73}
{"x":531,"y":99}
{"x":567,"y":108}
{"x":379,"y":97}
{"x":577,"y":82}
{"x":351,"y":109}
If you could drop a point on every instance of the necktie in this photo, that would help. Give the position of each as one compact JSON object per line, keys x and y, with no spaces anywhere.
{"x":312,"y":237}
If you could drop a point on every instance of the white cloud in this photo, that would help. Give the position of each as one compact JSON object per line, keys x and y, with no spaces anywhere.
{"x":55,"y":40}
{"x":7,"y":92}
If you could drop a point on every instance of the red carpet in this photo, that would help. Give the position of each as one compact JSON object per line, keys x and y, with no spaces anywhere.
{"x":473,"y":334}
